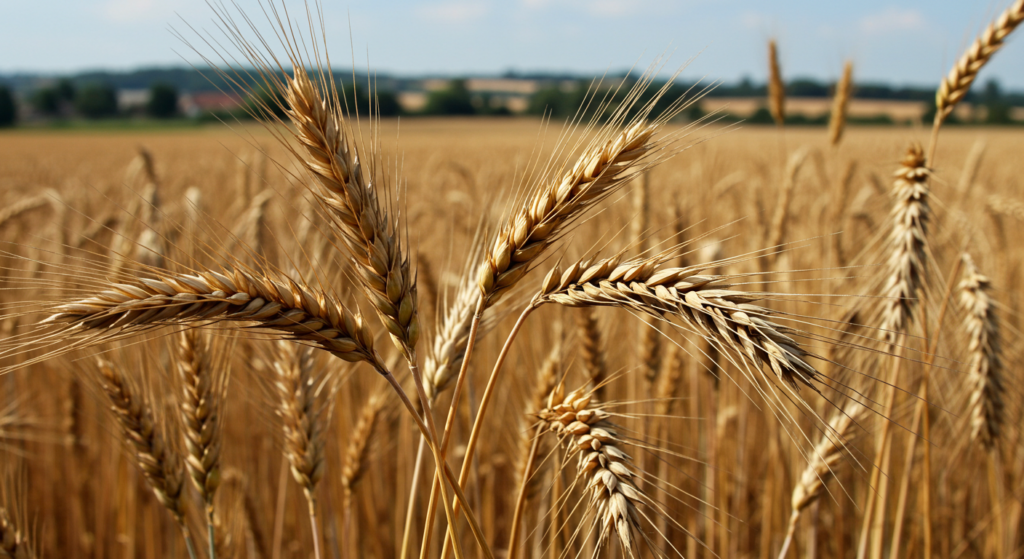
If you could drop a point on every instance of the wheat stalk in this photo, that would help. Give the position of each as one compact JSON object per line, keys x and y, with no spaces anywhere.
{"x":985,"y":365}
{"x":357,"y":452}
{"x":840,"y":104}
{"x":776,"y":88}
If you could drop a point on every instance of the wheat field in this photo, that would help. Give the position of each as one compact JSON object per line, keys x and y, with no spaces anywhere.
{"x":259,"y":340}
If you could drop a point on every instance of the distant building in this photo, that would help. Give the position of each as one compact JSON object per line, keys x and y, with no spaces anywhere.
{"x":132,"y":100}
{"x":202,"y":102}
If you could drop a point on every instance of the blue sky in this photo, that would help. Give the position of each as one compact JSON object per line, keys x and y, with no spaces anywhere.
{"x":897,"y":41}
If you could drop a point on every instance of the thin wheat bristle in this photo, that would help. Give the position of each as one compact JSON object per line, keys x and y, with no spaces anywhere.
{"x":776,"y":87}
{"x":985,"y":364}
{"x":147,"y":439}
{"x":840,"y":105}
{"x":956,"y":84}
{"x":605,"y":470}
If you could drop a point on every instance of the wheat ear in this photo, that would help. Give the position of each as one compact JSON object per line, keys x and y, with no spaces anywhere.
{"x":604,"y":469}
{"x":304,"y":392}
{"x":907,"y":244}
{"x":555,"y":204}
{"x":821,"y":466}
{"x":351,"y":200}
{"x":203,"y":390}
{"x":781,"y":216}
{"x":776,"y":88}
{"x":840,"y":105}
{"x":148,"y":442}
{"x":297,"y":311}
{"x":985,"y":365}
{"x":953,"y":89}
{"x":705,"y":303}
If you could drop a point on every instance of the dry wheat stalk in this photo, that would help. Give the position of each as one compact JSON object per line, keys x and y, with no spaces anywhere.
{"x":705,"y":303}
{"x":531,"y":229}
{"x":351,"y":200}
{"x":965,"y":184}
{"x":907,"y":244}
{"x":776,"y":88}
{"x":953,"y":89}
{"x":603,"y":467}
{"x":298,"y":311}
{"x":304,"y":409}
{"x":204,"y":388}
{"x":985,"y":365}
{"x":591,"y":347}
{"x":840,"y":104}
{"x":147,"y":439}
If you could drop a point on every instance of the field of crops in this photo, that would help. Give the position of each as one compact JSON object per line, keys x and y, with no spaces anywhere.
{"x":717,"y":446}
{"x":624,"y":336}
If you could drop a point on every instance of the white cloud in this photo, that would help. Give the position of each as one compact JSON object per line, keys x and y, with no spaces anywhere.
{"x":891,"y":20}
{"x":453,"y":11}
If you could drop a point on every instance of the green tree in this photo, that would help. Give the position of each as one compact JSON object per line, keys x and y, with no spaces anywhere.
{"x":46,"y":101}
{"x":163,"y":101}
{"x":453,"y":100}
{"x":8,"y":110}
{"x":97,"y":100}
{"x":65,"y":90}
{"x":386,"y":103}
{"x":265,"y":104}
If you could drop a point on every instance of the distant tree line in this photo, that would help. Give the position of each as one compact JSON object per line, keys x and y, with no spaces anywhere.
{"x":87,"y":98}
